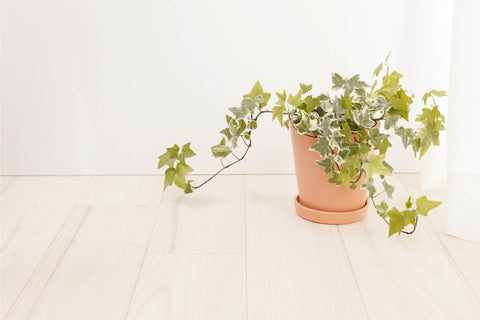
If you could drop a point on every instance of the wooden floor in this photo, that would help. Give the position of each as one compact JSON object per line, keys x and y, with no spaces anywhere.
{"x":117,"y":247}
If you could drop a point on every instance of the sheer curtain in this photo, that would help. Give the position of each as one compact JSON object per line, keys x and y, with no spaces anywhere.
{"x":463,"y":130}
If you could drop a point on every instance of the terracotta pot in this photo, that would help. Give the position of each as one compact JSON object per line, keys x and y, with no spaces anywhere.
{"x":317,"y":199}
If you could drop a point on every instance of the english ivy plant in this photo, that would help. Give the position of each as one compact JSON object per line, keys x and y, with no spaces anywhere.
{"x":345,"y":123}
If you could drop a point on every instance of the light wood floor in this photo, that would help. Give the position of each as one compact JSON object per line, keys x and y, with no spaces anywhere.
{"x":117,"y":247}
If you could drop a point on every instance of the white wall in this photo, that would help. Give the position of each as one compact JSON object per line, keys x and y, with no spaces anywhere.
{"x":103,"y":86}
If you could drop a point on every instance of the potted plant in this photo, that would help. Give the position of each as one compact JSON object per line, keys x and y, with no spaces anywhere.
{"x":340,"y":140}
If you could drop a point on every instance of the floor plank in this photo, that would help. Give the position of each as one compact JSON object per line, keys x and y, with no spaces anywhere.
{"x":190,"y":286}
{"x":41,"y":275}
{"x":406,"y":277}
{"x":465,"y":254}
{"x":5,"y":181}
{"x":211,"y":220}
{"x":97,"y":276}
{"x":296,"y":269}
{"x":32,"y":211}
{"x":124,"y":190}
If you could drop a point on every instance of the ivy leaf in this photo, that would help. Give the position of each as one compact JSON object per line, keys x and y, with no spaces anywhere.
{"x":375,"y":165}
{"x":188,"y":187}
{"x":169,"y":176}
{"x":311,"y":103}
{"x":406,"y":135}
{"x":239,"y":112}
{"x":337,"y":139}
{"x":382,"y":209}
{"x":377,"y":70}
{"x":169,"y":157}
{"x":282,"y":97}
{"x":427,"y":138}
{"x":368,"y":185}
{"x":388,"y":188}
{"x":252,"y":125}
{"x":322,"y":146}
{"x":396,"y":221}
{"x":408,"y":204}
{"x":383,"y":146}
{"x":221,"y":151}
{"x":375,"y":137}
{"x":363,"y":118}
{"x":433,"y":93}
{"x":256,"y":91}
{"x":305,"y":88}
{"x":327,"y":163}
{"x":250,"y":105}
{"x":424,"y":205}
{"x":400,"y":103}
{"x":344,"y":177}
{"x":391,"y":120}
{"x":337,"y":80}
{"x":277,"y":113}
{"x":227,"y":133}
{"x":181,"y":171}
{"x":349,"y":170}
{"x":187,"y":152}
{"x":295,"y":100}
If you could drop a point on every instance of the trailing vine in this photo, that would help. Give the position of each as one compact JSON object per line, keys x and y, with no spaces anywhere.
{"x":346,"y":124}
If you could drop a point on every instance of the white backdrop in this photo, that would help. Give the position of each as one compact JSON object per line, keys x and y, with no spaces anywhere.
{"x":103,"y":86}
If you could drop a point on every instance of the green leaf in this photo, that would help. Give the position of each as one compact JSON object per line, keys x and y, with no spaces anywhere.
{"x":277,"y":113}
{"x":282,"y":97}
{"x":252,"y":125}
{"x":327,"y":163}
{"x":250,"y":105}
{"x":295,"y":100}
{"x":169,"y":157}
{"x":383,"y":146}
{"x":179,"y":178}
{"x":363,"y":118}
{"x":389,"y":189}
{"x":408,"y":204}
{"x":401,"y":103}
{"x":322,"y":146}
{"x":221,"y":151}
{"x":382,"y":209}
{"x":349,"y":171}
{"x":377,"y":70}
{"x":396,"y":221}
{"x":188,"y":187}
{"x":406,"y":135}
{"x":227,"y":133}
{"x":424,"y":205}
{"x":375,"y":165}
{"x":337,"y":80}
{"x":187,"y":152}
{"x":433,"y":93}
{"x":375,"y":137}
{"x":169,"y":176}
{"x":257,"y":90}
{"x":368,"y":185}
{"x":239,"y":112}
{"x":391,"y":120}
{"x":311,"y":103}
{"x":305,"y":88}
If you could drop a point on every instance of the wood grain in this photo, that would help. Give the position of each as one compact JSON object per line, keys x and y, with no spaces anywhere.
{"x":124,"y":190}
{"x":465,"y":254}
{"x":96,"y":277}
{"x":296,"y":269}
{"x":33,"y":211}
{"x":211,"y":220}
{"x":406,"y":277}
{"x":190,"y":286}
